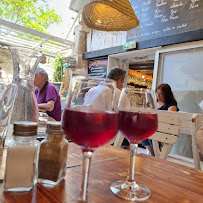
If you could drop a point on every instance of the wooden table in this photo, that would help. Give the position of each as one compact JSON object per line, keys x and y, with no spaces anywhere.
{"x":168,"y":182}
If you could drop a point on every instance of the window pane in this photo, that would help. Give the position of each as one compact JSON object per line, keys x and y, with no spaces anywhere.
{"x":183,"y":71}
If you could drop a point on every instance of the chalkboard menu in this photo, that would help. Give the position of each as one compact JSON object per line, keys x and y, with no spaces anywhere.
{"x":161,"y":18}
{"x":98,"y":67}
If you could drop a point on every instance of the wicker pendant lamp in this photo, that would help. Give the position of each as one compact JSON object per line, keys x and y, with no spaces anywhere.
{"x":110,"y":15}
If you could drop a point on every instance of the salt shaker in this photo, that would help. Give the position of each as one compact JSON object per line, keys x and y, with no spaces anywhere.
{"x":22,"y":158}
{"x":52,"y":155}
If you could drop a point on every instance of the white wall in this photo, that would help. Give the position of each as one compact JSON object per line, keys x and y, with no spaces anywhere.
{"x":97,"y":40}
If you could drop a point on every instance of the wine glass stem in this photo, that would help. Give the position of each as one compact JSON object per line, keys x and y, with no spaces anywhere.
{"x":86,"y":165}
{"x":133,"y":152}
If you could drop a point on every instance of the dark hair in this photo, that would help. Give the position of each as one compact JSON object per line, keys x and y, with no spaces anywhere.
{"x":116,"y":73}
{"x":167,"y":93}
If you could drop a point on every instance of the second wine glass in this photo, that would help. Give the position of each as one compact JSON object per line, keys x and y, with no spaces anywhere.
{"x":137,"y":121}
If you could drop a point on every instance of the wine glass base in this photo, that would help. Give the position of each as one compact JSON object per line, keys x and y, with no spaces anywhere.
{"x":130,"y":191}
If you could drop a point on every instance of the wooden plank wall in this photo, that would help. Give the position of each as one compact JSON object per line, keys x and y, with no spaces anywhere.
{"x":97,"y":40}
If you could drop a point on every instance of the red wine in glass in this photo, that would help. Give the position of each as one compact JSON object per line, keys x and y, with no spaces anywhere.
{"x":137,"y":121}
{"x":88,"y":121}
{"x":90,"y":128}
{"x":137,"y":126}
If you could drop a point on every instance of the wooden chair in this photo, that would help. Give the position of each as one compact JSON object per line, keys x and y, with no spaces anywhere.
{"x":167,"y":133}
{"x":190,"y":123}
{"x":198,"y":125}
{"x":189,"y":126}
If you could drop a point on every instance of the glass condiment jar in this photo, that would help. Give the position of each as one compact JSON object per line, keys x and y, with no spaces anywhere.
{"x":22,"y":158}
{"x":52,"y":155}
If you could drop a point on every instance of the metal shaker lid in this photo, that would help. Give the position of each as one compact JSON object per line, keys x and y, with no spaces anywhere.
{"x":54,"y":127}
{"x":25,"y":128}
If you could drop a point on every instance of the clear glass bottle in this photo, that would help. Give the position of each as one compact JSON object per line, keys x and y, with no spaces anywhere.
{"x":25,"y":62}
{"x":22,"y":158}
{"x":25,"y":108}
{"x":52,"y":155}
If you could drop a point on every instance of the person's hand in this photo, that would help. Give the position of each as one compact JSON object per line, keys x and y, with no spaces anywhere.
{"x":42,"y":110}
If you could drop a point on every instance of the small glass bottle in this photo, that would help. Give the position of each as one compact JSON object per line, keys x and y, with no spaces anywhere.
{"x":22,"y":158}
{"x":52,"y":155}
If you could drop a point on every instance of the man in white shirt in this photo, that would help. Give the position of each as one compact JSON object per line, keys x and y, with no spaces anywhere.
{"x":118,"y":75}
{"x":100,"y":97}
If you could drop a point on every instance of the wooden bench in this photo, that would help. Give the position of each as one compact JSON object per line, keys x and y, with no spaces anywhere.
{"x":190,"y":124}
{"x":167,"y":133}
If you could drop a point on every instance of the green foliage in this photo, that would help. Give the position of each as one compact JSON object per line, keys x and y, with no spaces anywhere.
{"x":29,"y":13}
{"x":58,"y":69}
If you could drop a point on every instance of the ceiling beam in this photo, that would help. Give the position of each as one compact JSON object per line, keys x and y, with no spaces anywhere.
{"x":40,"y":44}
{"x":141,"y":66}
{"x":34,"y":32}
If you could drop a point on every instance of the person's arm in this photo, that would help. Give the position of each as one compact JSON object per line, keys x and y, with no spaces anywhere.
{"x":49,"y":106}
{"x":51,"y":96}
{"x":172,"y":108}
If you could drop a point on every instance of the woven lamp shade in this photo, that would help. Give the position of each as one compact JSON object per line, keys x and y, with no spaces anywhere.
{"x":110,"y":15}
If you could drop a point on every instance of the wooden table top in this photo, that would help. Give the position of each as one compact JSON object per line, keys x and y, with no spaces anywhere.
{"x":168,"y":182}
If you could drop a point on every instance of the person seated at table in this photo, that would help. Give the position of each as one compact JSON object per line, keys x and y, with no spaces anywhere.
{"x":165,"y":101}
{"x":48,"y":98}
{"x":100,"y":96}
{"x":118,"y":75}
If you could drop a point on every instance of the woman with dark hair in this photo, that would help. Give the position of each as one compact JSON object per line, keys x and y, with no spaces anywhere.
{"x":165,"y":98}
{"x":165,"y":101}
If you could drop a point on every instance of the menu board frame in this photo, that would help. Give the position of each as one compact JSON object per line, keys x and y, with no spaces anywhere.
{"x":165,"y":22}
{"x":98,"y":67}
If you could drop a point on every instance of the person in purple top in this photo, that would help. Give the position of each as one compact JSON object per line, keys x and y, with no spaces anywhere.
{"x":48,"y":98}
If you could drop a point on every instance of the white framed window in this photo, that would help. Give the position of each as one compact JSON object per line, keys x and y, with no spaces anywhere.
{"x":181,"y":66}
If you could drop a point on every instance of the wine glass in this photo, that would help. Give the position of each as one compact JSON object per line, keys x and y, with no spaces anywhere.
{"x":137,"y":120}
{"x":89,"y":119}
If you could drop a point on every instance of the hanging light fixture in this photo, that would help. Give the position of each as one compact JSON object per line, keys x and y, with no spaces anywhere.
{"x":110,"y":15}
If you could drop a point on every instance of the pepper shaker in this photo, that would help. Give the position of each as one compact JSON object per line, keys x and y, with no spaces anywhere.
{"x":52,"y":155}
